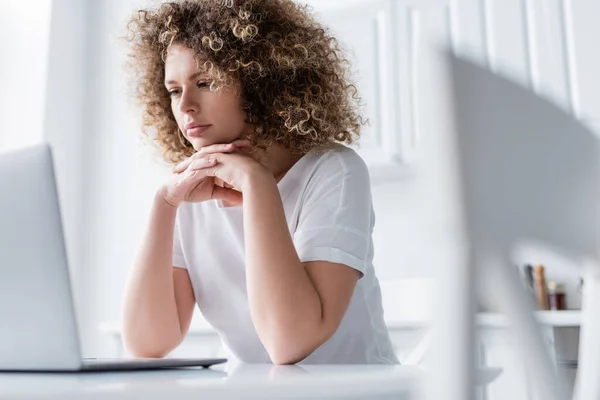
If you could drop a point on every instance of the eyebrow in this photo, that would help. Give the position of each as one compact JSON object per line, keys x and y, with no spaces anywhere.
{"x":190,"y":78}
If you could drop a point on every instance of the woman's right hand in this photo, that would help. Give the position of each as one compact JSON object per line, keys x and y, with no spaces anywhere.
{"x":189,"y":186}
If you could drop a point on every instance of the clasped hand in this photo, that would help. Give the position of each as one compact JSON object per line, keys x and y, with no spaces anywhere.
{"x":219,"y":171}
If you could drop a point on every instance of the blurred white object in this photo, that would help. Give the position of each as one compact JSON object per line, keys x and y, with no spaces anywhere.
{"x":528,"y":171}
{"x":416,"y":356}
{"x":408,"y":303}
{"x":407,"y":300}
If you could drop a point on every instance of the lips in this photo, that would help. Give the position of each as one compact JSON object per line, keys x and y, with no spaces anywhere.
{"x":194,"y":130}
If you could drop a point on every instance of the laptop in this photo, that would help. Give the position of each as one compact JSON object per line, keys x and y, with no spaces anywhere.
{"x":38,"y":327}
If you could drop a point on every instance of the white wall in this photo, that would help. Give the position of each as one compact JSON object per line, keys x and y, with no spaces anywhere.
{"x":23,"y":70}
{"x":118,"y":188}
{"x":65,"y":123}
{"x":416,"y":227}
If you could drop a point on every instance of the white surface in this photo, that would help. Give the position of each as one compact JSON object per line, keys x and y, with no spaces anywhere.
{"x":556,"y":319}
{"x":23,"y":71}
{"x":66,"y":122}
{"x":244,"y":381}
{"x":248,"y":381}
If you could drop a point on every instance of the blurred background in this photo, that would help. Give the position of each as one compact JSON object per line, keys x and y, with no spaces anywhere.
{"x":63,"y":81}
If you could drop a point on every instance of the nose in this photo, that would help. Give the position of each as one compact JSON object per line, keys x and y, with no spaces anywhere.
{"x":187,"y":103}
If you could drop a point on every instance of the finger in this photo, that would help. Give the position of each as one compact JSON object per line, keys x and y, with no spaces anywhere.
{"x":184,"y":178}
{"x":184,"y":164}
{"x":242,"y":143}
{"x":195,"y":175}
{"x":181,"y":166}
{"x":202,"y":163}
{"x":218,"y":148}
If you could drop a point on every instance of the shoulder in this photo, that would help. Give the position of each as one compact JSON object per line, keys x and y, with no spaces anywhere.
{"x":339,"y":173}
{"x":340,"y":163}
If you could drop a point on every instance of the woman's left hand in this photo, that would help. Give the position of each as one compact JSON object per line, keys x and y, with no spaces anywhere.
{"x":235,"y":169}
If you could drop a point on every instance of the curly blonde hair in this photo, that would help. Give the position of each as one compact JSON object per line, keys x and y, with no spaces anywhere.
{"x":294,"y":80}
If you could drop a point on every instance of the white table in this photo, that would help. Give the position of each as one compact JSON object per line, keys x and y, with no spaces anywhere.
{"x":259,"y":381}
{"x":249,"y":381}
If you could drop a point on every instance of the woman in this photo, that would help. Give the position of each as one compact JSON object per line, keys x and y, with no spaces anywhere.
{"x":267,"y":219}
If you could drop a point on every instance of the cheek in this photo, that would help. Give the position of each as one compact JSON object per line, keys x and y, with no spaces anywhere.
{"x":176,"y":114}
{"x":232,"y":116}
{"x":238,"y":115}
{"x":238,"y":121}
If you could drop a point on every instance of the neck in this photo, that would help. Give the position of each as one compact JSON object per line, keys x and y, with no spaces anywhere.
{"x":277,"y":159}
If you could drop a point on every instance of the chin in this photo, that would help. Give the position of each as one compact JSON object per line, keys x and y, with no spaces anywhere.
{"x":199,"y":143}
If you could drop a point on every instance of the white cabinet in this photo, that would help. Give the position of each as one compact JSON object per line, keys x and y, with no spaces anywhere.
{"x":364,"y":30}
{"x":545,"y":45}
{"x":384,"y":41}
{"x":498,"y":349}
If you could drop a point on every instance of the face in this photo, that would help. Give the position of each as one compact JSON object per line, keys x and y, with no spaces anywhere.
{"x":204,"y":117}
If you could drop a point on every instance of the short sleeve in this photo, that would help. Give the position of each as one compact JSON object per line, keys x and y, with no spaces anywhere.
{"x":336,"y":219}
{"x":178,"y":258}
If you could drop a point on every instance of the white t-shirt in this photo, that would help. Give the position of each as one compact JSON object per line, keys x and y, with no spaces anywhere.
{"x":327,"y":203}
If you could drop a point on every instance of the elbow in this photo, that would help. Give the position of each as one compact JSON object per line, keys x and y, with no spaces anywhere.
{"x":147,"y":353}
{"x":139,"y":350}
{"x":286,"y":356}
{"x":288,"y":349}
{"x":147,"y":347}
{"x":149,"y":340}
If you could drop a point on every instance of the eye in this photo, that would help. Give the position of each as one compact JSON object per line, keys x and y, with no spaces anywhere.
{"x":203,"y":84}
{"x":174,"y":92}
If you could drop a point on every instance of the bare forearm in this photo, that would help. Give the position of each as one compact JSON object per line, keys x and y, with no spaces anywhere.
{"x":150,"y":319}
{"x":285,"y":306}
